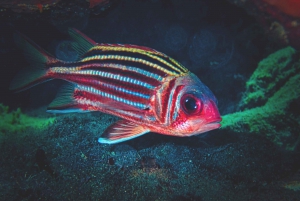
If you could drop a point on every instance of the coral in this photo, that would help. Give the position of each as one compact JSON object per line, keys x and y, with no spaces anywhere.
{"x":274,"y":85}
{"x":17,"y":121}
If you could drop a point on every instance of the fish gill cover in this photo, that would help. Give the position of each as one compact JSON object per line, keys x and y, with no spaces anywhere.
{"x":255,"y":155}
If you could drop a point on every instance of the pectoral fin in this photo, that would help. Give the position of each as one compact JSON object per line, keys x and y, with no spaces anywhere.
{"x":121,"y":131}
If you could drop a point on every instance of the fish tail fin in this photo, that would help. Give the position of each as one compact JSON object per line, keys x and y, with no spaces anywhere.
{"x":37,"y":71}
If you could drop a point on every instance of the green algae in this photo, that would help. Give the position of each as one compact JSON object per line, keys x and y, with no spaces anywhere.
{"x":274,"y":85}
{"x":271,"y":72}
{"x":16,"y":121}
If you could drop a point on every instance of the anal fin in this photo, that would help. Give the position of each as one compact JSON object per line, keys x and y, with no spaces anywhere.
{"x":64,"y":101}
{"x":121,"y":131}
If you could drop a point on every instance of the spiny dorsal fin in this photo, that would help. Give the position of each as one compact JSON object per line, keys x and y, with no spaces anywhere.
{"x":83,"y":43}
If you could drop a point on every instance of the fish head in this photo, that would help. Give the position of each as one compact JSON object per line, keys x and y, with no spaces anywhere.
{"x":195,"y":107}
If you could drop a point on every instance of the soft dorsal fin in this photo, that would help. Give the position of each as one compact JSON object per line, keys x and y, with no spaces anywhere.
{"x":121,"y":131}
{"x":83,"y":43}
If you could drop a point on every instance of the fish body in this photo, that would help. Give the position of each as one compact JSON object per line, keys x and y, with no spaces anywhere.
{"x":147,"y":89}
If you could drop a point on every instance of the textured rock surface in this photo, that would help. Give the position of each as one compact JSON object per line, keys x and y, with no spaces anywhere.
{"x":270,"y":101}
{"x":280,"y":18}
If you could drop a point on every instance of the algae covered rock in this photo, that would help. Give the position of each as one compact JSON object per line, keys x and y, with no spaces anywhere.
{"x":271,"y":73}
{"x":16,"y":121}
{"x":273,"y":91}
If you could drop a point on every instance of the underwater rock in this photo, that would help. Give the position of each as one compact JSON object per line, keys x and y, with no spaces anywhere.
{"x":292,"y":185}
{"x":273,"y":92}
{"x":289,"y":7}
{"x":69,"y":15}
{"x":94,"y":3}
{"x":62,"y":14}
{"x":43,"y":163}
{"x":271,"y":72}
{"x":124,"y":156}
{"x":279,"y":18}
{"x":28,"y":5}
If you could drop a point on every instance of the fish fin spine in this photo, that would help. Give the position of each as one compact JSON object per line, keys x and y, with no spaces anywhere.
{"x":82,"y":42}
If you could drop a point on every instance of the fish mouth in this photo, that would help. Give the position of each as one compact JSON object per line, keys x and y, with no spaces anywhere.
{"x":213,"y":124}
{"x":216,"y":121}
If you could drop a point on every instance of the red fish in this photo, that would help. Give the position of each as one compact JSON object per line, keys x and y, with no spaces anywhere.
{"x":147,"y":89}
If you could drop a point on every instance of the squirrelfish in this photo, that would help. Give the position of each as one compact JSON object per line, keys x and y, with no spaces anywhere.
{"x":148,"y":90}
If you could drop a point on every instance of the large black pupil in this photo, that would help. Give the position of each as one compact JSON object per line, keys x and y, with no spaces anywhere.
{"x":190,"y":104}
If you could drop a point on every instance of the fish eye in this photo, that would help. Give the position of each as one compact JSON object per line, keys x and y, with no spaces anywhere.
{"x":191,"y":104}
